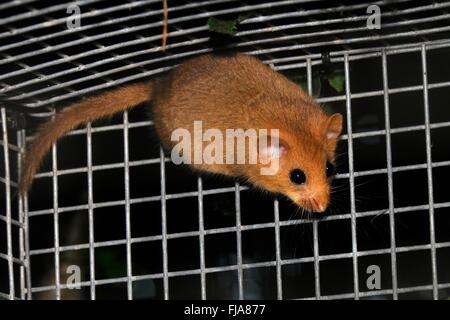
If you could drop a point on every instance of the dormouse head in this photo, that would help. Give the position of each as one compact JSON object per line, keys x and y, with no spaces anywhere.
{"x":305,"y":157}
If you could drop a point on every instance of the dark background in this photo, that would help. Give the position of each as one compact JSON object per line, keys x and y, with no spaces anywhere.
{"x":410,"y":189}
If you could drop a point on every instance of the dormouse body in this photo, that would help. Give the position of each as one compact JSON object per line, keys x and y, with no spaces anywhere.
{"x":222,"y":92}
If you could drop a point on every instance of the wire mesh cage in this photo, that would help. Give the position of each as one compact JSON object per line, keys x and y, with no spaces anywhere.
{"x":110,"y":207}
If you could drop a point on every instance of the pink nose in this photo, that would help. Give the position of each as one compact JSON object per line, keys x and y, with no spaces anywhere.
{"x":318,"y":207}
{"x":318,"y":204}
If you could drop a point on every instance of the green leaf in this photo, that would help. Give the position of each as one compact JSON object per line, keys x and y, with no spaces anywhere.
{"x":226,"y":26}
{"x":223,"y":26}
{"x":337,"y":81}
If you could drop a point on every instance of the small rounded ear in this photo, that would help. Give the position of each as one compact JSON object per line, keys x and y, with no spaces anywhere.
{"x":334,"y":126}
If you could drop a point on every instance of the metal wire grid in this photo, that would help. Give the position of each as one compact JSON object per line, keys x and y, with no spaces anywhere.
{"x":281,"y":63}
{"x":266,"y":34}
{"x":278,"y":263}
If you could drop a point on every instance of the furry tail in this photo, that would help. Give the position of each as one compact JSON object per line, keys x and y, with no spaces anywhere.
{"x":82,"y":112}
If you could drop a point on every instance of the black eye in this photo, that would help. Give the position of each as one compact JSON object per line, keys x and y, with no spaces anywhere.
{"x":331,"y":169}
{"x":298,"y":176}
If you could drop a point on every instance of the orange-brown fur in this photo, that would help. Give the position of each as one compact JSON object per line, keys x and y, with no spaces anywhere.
{"x":224,"y":92}
{"x":85,"y":111}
